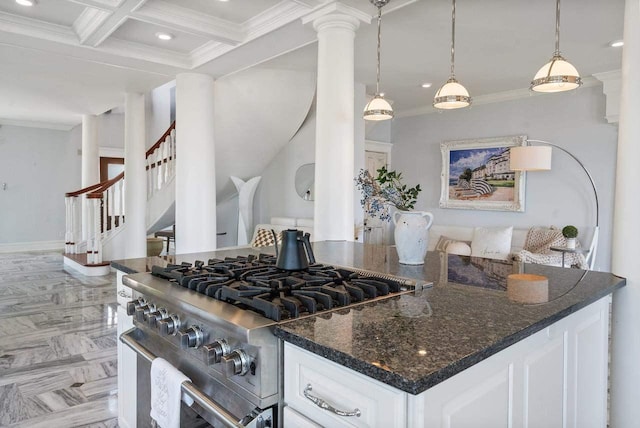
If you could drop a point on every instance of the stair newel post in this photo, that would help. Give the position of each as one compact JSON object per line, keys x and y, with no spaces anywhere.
{"x":67,"y":225}
{"x":88,"y":202}
{"x":149,"y":162}
{"x":173,"y":153}
{"x":97,"y":233}
{"x":76,"y":230}
{"x":104,"y":211}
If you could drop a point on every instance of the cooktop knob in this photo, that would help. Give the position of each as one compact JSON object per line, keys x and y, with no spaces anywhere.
{"x":143,"y":310}
{"x":191,"y":337}
{"x":216,"y":350}
{"x":236,"y":363}
{"x":154,"y":317}
{"x":134,"y":304}
{"x":169,"y":325}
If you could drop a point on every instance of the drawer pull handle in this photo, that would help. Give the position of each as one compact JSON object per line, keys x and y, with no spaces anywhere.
{"x":122,"y":293}
{"x":326,"y":406}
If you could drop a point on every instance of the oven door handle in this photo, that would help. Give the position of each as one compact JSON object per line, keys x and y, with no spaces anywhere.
{"x":187,"y":387}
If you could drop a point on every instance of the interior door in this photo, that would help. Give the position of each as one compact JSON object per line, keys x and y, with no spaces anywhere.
{"x":376,"y":230}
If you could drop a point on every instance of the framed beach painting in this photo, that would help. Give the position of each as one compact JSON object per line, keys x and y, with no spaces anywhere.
{"x":476,"y":175}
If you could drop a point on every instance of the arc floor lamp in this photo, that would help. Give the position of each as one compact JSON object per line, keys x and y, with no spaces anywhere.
{"x":538,"y":158}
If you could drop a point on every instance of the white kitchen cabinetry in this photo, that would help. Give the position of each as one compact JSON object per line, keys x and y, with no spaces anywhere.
{"x":126,"y":362}
{"x":379,"y":405}
{"x":556,"y":377}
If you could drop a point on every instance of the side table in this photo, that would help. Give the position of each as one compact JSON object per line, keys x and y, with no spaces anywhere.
{"x":565,"y":250}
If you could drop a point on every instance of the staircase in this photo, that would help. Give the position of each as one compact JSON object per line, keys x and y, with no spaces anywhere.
{"x":257,"y":113}
{"x":92,"y":241}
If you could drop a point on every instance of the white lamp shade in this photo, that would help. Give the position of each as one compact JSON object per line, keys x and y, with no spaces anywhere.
{"x":378,"y":109}
{"x":530,"y":158}
{"x":556,"y":76}
{"x":451,"y":95}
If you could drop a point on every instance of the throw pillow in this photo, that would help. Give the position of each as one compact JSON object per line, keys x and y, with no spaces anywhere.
{"x":264,"y":238}
{"x":491,"y":242}
{"x":460,"y":248}
{"x":444,"y":242}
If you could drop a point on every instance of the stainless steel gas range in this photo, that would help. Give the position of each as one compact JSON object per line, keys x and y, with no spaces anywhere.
{"x":214,"y":322}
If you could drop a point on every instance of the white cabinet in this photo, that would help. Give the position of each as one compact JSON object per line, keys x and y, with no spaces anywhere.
{"x":126,"y":363}
{"x":377,"y":404}
{"x":556,"y":377}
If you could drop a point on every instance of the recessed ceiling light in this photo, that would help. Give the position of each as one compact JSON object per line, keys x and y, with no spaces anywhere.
{"x":26,"y":2}
{"x":164,"y":36}
{"x":616,"y":43}
{"x":426,"y":85}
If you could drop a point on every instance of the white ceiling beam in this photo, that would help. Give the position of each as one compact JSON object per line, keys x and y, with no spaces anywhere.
{"x":110,"y":5}
{"x":88,"y":22}
{"x":112,"y":23}
{"x":309,"y":3}
{"x":190,"y":21}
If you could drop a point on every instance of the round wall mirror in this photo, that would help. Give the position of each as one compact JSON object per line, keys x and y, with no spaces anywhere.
{"x":305,"y":176}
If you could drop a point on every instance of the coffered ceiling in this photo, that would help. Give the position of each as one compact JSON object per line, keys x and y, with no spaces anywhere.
{"x":65,"y":58}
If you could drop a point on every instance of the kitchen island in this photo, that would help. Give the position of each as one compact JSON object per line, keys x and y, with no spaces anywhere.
{"x":457,"y":354}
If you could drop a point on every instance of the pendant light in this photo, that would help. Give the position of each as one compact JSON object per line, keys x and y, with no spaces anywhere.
{"x":452,"y":94}
{"x":378,"y":108}
{"x":557,"y":75}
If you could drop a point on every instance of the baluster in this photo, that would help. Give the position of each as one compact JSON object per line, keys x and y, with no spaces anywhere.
{"x":89,"y":228}
{"x":166,"y":145}
{"x":67,"y":223}
{"x":158,"y":154}
{"x":104,"y":215}
{"x":172,"y":153}
{"x":76,"y":230}
{"x":109,"y":210}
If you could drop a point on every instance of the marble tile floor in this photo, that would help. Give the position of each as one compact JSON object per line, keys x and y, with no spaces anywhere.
{"x":58,"y":345}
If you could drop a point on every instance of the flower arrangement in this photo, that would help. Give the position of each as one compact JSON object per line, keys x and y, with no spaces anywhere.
{"x":385,"y":191}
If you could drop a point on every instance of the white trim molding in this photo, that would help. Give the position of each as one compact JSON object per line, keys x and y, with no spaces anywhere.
{"x":17,"y":247}
{"x":611,"y":87}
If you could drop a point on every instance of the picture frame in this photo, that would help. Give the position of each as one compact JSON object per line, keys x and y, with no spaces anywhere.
{"x":476,"y":176}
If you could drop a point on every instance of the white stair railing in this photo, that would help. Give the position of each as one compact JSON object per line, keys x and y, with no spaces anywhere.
{"x":104,"y":201}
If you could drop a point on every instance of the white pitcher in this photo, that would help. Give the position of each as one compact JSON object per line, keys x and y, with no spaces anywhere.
{"x":412,"y":235}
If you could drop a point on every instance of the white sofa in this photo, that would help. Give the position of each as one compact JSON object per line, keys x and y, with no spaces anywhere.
{"x":278,"y":224}
{"x":518,"y":239}
{"x":465,"y":233}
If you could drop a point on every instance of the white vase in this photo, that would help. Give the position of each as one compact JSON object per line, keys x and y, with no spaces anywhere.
{"x":571,"y":243}
{"x":412,"y":235}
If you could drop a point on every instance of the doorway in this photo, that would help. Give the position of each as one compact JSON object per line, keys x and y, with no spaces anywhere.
{"x":110,"y":167}
{"x":375,"y":230}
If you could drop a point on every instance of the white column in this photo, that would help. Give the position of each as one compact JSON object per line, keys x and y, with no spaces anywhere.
{"x":334,"y":199}
{"x":135,"y":192}
{"x":195,"y":164}
{"x":625,"y":362}
{"x":90,"y":167}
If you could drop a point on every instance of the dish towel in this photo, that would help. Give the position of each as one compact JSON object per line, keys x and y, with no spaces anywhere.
{"x":166,"y":393}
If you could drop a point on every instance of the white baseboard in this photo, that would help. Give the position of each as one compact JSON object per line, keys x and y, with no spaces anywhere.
{"x":17,"y":247}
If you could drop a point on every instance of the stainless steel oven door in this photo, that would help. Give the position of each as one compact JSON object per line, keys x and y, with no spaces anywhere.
{"x":205,"y":412}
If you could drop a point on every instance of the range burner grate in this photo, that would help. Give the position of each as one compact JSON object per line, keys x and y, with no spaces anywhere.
{"x":255,"y":283}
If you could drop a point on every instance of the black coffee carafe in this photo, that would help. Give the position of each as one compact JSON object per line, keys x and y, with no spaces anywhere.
{"x":296,"y":252}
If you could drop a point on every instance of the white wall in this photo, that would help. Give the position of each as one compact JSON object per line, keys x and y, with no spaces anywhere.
{"x":110,"y":130}
{"x":158,"y":112}
{"x":276,"y":194}
{"x":39,"y":166}
{"x":574,"y":121}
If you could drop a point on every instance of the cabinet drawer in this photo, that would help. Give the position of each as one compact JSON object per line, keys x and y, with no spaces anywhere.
{"x":379,"y":405}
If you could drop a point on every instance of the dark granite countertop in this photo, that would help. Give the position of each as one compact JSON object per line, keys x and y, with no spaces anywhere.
{"x":415,"y":341}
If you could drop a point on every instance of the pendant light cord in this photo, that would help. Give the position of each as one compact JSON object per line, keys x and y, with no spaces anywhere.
{"x":453,"y":37}
{"x":557,"y":28}
{"x":378,"y":65}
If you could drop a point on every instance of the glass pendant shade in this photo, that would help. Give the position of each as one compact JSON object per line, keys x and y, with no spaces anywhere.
{"x":378,"y":109}
{"x":530,"y":158}
{"x":556,"y":76}
{"x":451,"y":95}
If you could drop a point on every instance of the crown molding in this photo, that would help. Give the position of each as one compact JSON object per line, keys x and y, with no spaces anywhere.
{"x":107,"y":5}
{"x":208,"y":52}
{"x":309,"y":3}
{"x":497,"y":97}
{"x":337,"y":8}
{"x":125,"y":48}
{"x":37,"y":29}
{"x":189,"y":21}
{"x":88,"y":22}
{"x":37,"y":124}
{"x":113,"y":22}
{"x":273,"y":18}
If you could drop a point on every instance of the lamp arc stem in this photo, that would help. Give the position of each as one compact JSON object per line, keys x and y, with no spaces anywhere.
{"x":594,"y":241}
